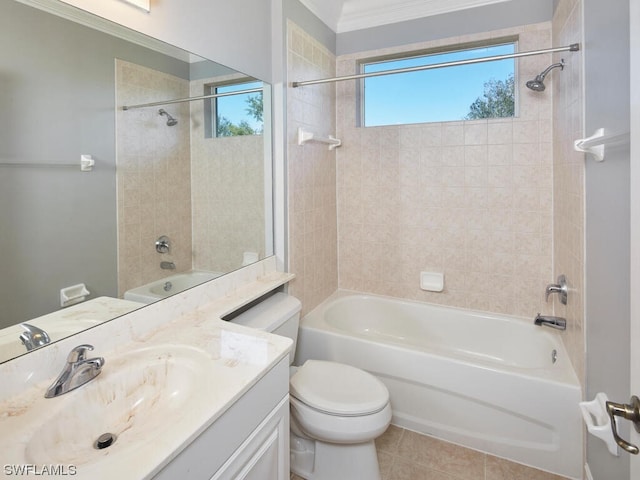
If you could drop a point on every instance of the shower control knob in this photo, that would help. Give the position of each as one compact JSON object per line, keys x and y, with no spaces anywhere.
{"x":163,"y":244}
{"x":561,"y":288}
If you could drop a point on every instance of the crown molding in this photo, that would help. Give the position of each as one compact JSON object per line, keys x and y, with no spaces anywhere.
{"x":326,"y":10}
{"x":349,"y":15}
{"x":403,"y":10}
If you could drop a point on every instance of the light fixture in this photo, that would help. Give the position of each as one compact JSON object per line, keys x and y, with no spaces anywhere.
{"x":142,"y":4}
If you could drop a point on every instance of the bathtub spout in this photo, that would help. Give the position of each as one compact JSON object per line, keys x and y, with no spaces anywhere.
{"x":558,"y":323}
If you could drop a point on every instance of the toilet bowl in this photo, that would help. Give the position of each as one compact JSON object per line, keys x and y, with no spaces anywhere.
{"x":337,"y":411}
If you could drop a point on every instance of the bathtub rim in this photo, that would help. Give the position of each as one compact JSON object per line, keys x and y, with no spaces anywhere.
{"x":562,"y":373}
{"x":143,"y":293}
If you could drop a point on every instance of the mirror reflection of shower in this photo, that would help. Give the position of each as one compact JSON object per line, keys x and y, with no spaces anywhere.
{"x":537,"y":84}
{"x":170,"y":120}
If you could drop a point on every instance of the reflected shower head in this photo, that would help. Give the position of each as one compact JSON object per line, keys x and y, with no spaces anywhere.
{"x":537,"y":84}
{"x":170,"y":120}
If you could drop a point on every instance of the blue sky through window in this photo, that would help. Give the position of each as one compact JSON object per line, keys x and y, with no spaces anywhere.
{"x":234,"y":107}
{"x":442,"y":94}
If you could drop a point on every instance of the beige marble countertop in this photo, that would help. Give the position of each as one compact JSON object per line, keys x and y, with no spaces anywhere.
{"x":234,"y":359}
{"x":65,"y":322}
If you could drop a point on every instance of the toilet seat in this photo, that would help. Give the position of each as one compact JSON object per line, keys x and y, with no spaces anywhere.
{"x":338,"y":389}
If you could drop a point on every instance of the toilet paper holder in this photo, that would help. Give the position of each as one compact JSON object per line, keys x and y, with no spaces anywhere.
{"x":73,"y":294}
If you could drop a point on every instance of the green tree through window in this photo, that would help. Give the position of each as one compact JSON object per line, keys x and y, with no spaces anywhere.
{"x":497,"y":101}
{"x":240,"y":114}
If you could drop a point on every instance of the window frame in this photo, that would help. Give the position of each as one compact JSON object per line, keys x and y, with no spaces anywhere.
{"x":444,"y":49}
{"x":211,"y":104}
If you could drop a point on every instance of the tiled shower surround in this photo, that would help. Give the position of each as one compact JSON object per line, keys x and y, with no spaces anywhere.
{"x":227,"y":191}
{"x":568,"y":180}
{"x":313,"y":254}
{"x":153,"y":175}
{"x":178,"y":182}
{"x":471,"y":199}
{"x":486,"y":202}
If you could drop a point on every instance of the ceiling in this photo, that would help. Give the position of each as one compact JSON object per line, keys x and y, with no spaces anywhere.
{"x":347,"y":15}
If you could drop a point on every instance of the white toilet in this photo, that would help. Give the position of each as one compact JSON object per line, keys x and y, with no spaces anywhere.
{"x":337,"y":410}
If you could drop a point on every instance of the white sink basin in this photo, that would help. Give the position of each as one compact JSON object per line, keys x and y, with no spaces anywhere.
{"x":137,"y":396}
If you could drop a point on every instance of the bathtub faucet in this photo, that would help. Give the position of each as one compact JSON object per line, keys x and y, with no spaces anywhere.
{"x":558,"y":323}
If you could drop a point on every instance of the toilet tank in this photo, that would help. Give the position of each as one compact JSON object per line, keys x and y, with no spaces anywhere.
{"x":278,"y":314}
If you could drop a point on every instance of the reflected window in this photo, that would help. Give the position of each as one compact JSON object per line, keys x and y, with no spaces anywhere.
{"x":235,"y":114}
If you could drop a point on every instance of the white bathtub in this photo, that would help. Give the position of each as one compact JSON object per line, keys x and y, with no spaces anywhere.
{"x":167,"y":286}
{"x":487,"y":382}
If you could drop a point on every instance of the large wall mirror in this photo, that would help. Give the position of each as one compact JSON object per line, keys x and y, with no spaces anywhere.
{"x":112,"y":194}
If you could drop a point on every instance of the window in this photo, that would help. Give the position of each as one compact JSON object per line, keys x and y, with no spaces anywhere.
{"x":234,"y":115}
{"x":481,"y":90}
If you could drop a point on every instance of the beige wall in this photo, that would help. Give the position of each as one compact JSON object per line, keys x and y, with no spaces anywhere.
{"x":153,"y":175}
{"x":311,"y":172}
{"x":471,"y":199}
{"x":568,"y":174}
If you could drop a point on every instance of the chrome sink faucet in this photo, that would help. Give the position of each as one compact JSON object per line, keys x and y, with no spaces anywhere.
{"x":33,"y":337}
{"x":77,"y":371}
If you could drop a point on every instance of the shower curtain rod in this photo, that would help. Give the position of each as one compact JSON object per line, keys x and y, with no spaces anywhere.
{"x":39,"y":165}
{"x":83,"y":167}
{"x":191,"y":99}
{"x":574,"y":47}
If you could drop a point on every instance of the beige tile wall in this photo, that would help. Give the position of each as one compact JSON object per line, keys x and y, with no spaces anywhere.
{"x":472,"y":199}
{"x":228,"y":193}
{"x":156,"y":194}
{"x":153,"y":175}
{"x":568,"y":173}
{"x":311,"y":172}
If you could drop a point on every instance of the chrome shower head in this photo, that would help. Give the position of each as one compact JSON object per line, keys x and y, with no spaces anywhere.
{"x":170,"y":120}
{"x":537,"y":84}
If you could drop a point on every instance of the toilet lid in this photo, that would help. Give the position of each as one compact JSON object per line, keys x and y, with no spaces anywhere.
{"x":338,"y":389}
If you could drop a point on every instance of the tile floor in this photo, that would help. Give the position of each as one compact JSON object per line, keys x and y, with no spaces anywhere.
{"x":406,"y":455}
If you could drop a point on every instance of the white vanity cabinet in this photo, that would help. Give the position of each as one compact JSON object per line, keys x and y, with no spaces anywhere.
{"x":250,"y":441}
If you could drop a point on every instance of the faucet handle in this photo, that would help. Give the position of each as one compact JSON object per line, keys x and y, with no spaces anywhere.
{"x":561,"y":288}
{"x":79,"y":353}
